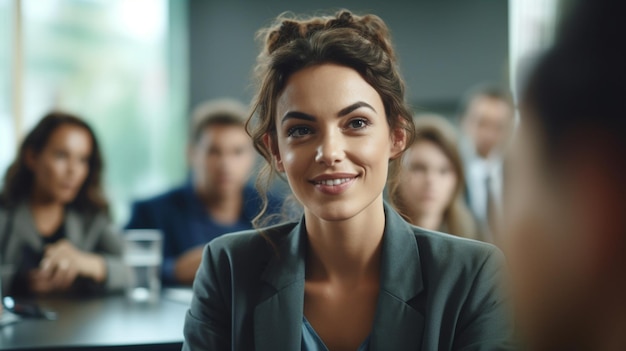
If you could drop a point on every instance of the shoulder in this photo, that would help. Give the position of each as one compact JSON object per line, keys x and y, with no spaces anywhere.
{"x":250,"y":244}
{"x":453,"y":254}
{"x":173,"y":197}
{"x":91,"y":220}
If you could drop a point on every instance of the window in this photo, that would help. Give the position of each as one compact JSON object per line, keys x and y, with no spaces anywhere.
{"x":120,"y":65}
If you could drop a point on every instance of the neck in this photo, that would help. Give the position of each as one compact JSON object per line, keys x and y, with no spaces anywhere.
{"x":431,"y":221}
{"x":47,"y":214}
{"x":223,"y":207}
{"x":347,"y":250}
{"x":427,"y":220}
{"x":45,"y":203}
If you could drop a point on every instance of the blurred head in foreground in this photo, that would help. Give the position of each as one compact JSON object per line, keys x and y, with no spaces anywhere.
{"x":567,"y":201}
{"x":429,"y":189}
{"x":220,"y":153}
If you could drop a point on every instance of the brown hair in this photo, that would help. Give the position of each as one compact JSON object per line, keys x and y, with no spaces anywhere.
{"x":457,"y":218}
{"x":18,"y":180}
{"x":223,"y":112}
{"x":362,"y":43}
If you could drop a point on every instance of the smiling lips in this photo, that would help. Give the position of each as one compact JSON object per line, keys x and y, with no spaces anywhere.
{"x":333,"y":181}
{"x":333,"y":184}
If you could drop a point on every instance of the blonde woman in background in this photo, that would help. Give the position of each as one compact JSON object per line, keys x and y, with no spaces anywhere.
{"x":429,"y":191}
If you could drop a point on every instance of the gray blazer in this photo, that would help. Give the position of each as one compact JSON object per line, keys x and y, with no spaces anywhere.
{"x":437,"y":292}
{"x":88,"y":233}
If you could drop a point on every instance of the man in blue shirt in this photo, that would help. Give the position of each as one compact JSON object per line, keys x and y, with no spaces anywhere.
{"x":216,"y":200}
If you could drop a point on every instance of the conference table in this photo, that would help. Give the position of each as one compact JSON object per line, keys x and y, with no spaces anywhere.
{"x":104,"y":323}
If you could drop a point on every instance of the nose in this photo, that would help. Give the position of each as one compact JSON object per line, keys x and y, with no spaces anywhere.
{"x":72,"y":167}
{"x":330,"y":149}
{"x":431,"y":177}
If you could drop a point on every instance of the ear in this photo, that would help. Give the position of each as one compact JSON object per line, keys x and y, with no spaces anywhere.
{"x":398,"y":142}
{"x":271,"y":144}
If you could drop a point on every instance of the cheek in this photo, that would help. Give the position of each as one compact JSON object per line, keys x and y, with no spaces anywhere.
{"x":295,"y":160}
{"x":416,"y":182}
{"x":449,"y":187}
{"x":378,"y":151}
{"x":84,"y":170}
{"x":449,"y":183}
{"x":52,"y":169}
{"x":289,"y":159}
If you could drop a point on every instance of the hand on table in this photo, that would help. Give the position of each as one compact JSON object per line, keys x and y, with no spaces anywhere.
{"x":62,"y":264}
{"x":187,"y":264}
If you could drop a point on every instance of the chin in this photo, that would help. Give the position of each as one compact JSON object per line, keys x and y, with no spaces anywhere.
{"x":65,"y":197}
{"x":337,"y":210}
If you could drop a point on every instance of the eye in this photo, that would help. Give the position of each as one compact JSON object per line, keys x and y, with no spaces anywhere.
{"x":417,"y":168}
{"x":449,"y":170}
{"x":358,"y":123}
{"x":299,"y":131}
{"x":60,"y":154}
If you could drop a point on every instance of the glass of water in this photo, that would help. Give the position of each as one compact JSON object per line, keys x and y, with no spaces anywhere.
{"x":143,"y":255}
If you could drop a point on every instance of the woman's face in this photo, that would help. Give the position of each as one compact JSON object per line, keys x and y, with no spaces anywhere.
{"x":333,"y":141}
{"x":62,"y":166}
{"x":428,"y":179}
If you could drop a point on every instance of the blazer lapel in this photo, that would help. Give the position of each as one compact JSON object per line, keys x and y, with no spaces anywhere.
{"x":278,"y":318}
{"x":24,"y":228}
{"x":398,"y":325}
{"x":73,"y":228}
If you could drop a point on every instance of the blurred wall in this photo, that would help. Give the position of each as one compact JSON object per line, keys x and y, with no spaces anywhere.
{"x":444,"y":46}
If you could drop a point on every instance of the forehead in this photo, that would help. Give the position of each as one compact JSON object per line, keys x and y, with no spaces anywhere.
{"x":69,"y":135}
{"x":325,"y":89}
{"x":426,"y":151}
{"x":489,"y":106}
{"x":223,"y":135}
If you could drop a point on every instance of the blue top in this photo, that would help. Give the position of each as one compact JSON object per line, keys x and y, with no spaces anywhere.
{"x":312,"y":342}
{"x":185,"y":222}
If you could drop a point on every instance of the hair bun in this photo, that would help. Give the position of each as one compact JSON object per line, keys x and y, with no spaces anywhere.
{"x":289,"y":28}
{"x":343,"y":19}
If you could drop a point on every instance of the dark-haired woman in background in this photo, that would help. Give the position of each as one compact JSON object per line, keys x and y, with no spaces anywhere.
{"x":429,"y":190}
{"x":352,"y":274}
{"x":55,"y":232}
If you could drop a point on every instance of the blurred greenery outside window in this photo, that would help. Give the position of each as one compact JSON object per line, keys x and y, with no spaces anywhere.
{"x":119,"y":64}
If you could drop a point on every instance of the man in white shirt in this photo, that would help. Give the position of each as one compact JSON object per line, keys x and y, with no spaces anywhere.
{"x":487,"y":117}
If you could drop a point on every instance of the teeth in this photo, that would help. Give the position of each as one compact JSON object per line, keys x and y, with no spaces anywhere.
{"x":331,"y":182}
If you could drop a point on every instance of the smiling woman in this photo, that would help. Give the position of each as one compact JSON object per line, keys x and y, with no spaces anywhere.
{"x":352,"y":274}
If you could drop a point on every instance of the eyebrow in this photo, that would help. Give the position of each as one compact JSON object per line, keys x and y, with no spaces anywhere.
{"x":344,"y":111}
{"x":297,"y":115}
{"x":357,"y":105}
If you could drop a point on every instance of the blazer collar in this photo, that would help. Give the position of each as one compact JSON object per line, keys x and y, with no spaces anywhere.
{"x":397,"y":324}
{"x":25,"y":228}
{"x":74,"y":229}
{"x":278,"y":318}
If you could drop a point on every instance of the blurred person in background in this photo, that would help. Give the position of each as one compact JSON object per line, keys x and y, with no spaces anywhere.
{"x":215,"y":201}
{"x":566,"y":207}
{"x":487,"y":121}
{"x":55,"y":232}
{"x":429,"y":192}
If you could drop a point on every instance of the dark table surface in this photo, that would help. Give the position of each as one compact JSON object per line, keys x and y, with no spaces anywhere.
{"x":103,"y":323}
